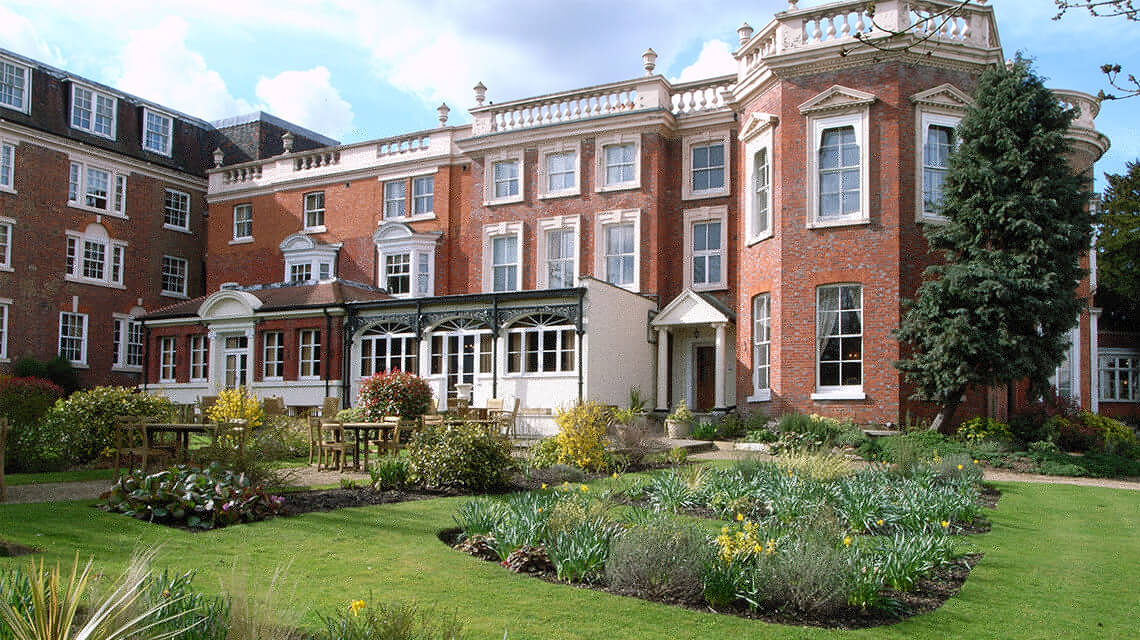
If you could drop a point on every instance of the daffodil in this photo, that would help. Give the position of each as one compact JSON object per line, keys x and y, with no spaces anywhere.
{"x":959,"y":467}
{"x":739,"y":517}
{"x":614,"y":476}
{"x":847,"y":541}
{"x":356,"y":606}
{"x":585,"y":488}
{"x":945,"y":524}
{"x":543,"y":486}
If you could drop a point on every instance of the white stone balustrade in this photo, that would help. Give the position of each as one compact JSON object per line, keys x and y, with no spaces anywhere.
{"x":1087,"y":107}
{"x":562,"y":108}
{"x":335,"y":160}
{"x":839,"y":23}
{"x":706,"y":95}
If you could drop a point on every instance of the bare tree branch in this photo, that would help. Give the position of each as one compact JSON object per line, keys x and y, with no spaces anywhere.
{"x":1100,"y":8}
{"x":889,"y":42}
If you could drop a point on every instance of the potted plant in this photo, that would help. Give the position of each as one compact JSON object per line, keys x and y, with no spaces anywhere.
{"x":678,"y":423}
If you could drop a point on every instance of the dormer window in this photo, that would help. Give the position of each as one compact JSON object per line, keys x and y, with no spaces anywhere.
{"x":307,"y":261}
{"x":158,"y":130}
{"x":93,"y":111}
{"x":405,"y":260}
{"x":15,"y":85}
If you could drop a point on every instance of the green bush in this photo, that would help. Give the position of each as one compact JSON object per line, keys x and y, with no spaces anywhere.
{"x":203,"y":498}
{"x":84,"y":423}
{"x":462,"y":456}
{"x":60,"y":371}
{"x":581,"y":435}
{"x":394,"y":393}
{"x":391,"y":472}
{"x":665,"y":559}
{"x":361,"y":620}
{"x":805,"y":574}
{"x":544,"y":453}
{"x":29,"y":367}
{"x":731,"y":427}
{"x":208,"y":618}
{"x":704,"y":431}
{"x":761,"y":435}
{"x":1115,"y":434}
{"x":23,"y":401}
{"x":982,"y":428}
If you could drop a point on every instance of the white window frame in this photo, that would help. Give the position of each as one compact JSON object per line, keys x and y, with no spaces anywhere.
{"x":546,"y":226}
{"x":928,"y":119}
{"x":199,"y":358}
{"x":387,"y":334}
{"x":544,"y":155}
{"x":517,"y":347}
{"x":705,"y":139}
{"x":7,"y":166}
{"x":82,"y":347}
{"x":167,"y":359}
{"x":704,"y":215}
{"x":758,"y":136}
{"x":75,"y":250}
{"x":170,"y":208}
{"x":420,"y":247}
{"x":615,"y":218}
{"x":128,"y":334}
{"x":299,"y":272}
{"x":427,"y":196}
{"x":489,"y":162}
{"x":168,"y":264}
{"x":840,"y":391}
{"x":600,"y":175}
{"x":277,"y":351}
{"x":509,"y":266}
{"x":7,"y":67}
{"x":761,"y":344}
{"x":309,"y":354}
{"x":93,"y":107}
{"x":396,"y":259}
{"x":7,"y":233}
{"x":167,"y":135}
{"x":1133,"y":372}
{"x":313,"y":213}
{"x":500,"y":230}
{"x":5,"y":304}
{"x":395,"y":208}
{"x":79,"y":185}
{"x":835,"y":108}
{"x":246,"y":209}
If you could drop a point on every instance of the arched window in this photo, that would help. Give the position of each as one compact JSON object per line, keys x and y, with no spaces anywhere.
{"x":541,"y":343}
{"x":387,"y":347}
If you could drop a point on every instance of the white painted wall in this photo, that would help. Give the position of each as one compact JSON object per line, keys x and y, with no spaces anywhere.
{"x":618,"y":353}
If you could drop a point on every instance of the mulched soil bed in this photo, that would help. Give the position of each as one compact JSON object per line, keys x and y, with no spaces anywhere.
{"x":11,"y":549}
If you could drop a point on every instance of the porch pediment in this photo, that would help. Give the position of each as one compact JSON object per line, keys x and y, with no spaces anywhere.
{"x":692,"y":308}
{"x":229,"y":303}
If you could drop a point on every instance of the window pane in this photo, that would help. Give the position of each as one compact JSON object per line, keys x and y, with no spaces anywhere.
{"x":829,"y":374}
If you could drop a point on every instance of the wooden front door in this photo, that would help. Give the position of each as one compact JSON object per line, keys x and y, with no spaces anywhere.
{"x":706,"y":378}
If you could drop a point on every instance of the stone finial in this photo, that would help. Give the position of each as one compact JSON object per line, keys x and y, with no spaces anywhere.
{"x":745,"y":33}
{"x":287,"y":141}
{"x":219,"y":157}
{"x":443,"y":110}
{"x":792,"y":5}
{"x":650,"y":59}
{"x":480,"y":94}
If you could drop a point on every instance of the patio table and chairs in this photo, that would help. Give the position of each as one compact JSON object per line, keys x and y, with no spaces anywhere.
{"x":142,"y":437}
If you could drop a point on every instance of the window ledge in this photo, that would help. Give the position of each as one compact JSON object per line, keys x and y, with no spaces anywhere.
{"x":170,"y":381}
{"x":171,"y":227}
{"x":98,"y":211}
{"x":92,"y":132}
{"x":6,"y":268}
{"x":840,"y":394}
{"x":758,"y":239}
{"x":849,"y":221}
{"x":5,"y":360}
{"x":157,"y":152}
{"x":96,"y":283}
{"x":519,"y":375}
{"x":171,"y":294}
{"x":79,"y":365}
{"x":320,"y":229}
{"x":6,"y":189}
{"x":715,"y":286}
{"x":511,"y":200}
{"x":932,"y":218}
{"x":126,"y":369}
{"x":763,"y":395}
{"x":553,"y":195}
{"x":625,"y":186}
{"x":711,"y":193}
{"x":1117,"y":401}
{"x":430,"y":215}
{"x":246,"y":240}
{"x":272,"y":379}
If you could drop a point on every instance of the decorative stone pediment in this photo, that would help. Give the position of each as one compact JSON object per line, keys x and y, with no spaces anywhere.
{"x":757,"y":123}
{"x":689,"y":308}
{"x":229,"y":303}
{"x":298,"y":242}
{"x":945,"y":96}
{"x":397,"y":232}
{"x":837,"y":98}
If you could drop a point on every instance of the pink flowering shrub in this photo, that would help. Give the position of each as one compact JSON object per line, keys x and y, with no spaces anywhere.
{"x":394,"y":393}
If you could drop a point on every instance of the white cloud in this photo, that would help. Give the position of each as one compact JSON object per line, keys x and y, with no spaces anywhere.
{"x":307,"y":98}
{"x":17,"y":34}
{"x":158,"y":66}
{"x":714,"y":60}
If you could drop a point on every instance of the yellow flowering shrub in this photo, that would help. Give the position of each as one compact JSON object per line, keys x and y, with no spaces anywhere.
{"x":581,"y":435}
{"x":237,"y":404}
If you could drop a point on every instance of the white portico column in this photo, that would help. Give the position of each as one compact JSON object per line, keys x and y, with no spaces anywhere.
{"x":662,"y":369}
{"x":718,"y":377}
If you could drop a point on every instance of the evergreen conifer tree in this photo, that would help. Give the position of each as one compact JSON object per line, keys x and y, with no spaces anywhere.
{"x":999,"y":308}
{"x":1118,"y":248}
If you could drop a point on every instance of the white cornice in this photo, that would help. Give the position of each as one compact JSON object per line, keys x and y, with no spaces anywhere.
{"x":71,"y":147}
{"x":659,"y":120}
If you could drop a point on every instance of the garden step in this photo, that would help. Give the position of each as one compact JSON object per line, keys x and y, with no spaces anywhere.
{"x":880,"y":433}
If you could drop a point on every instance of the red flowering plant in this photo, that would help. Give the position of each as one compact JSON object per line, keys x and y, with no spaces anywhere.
{"x":394,"y":393}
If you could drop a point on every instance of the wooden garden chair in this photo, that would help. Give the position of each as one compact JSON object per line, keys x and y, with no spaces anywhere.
{"x":205,"y":403}
{"x":131,"y":441}
{"x":329,"y":408}
{"x":332,"y":445}
{"x":273,"y":406}
{"x":494,"y":404}
{"x":505,"y":420}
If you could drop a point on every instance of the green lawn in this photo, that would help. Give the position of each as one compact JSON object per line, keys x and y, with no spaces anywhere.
{"x":1061,"y":561}
{"x":83,"y":475}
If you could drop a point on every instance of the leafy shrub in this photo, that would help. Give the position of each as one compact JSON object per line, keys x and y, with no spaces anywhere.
{"x":460,"y":456}
{"x":1115,"y":434}
{"x":958,"y":467}
{"x":794,"y":441}
{"x":544,"y":453}
{"x":29,"y":367}
{"x":919,"y":445}
{"x":681,"y":412}
{"x":721,"y":581}
{"x":633,"y":441}
{"x":237,"y":404}
{"x":61,"y":372}
{"x":390,"y":621}
{"x":982,"y":428}
{"x":1077,"y":436}
{"x":1092,"y":464}
{"x":23,"y":401}
{"x":581,"y":435}
{"x":761,"y":435}
{"x":704,"y":431}
{"x":663,"y":560}
{"x":851,"y":435}
{"x":1032,"y":425}
{"x":202,"y":498}
{"x":805,"y":573}
{"x":558,"y":473}
{"x":391,"y":472}
{"x":731,"y":427}
{"x":83,"y":424}
{"x":394,"y":393}
{"x":351,"y":414}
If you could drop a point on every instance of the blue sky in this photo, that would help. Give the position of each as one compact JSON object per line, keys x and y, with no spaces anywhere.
{"x":357,"y":70}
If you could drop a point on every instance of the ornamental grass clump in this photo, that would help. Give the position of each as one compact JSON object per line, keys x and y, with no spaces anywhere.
{"x":581,"y":435}
{"x":822,"y":467}
{"x":661,"y":560}
{"x":394,"y":393}
{"x":370,"y":620}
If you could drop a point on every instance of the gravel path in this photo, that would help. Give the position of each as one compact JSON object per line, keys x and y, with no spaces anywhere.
{"x":309,"y":476}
